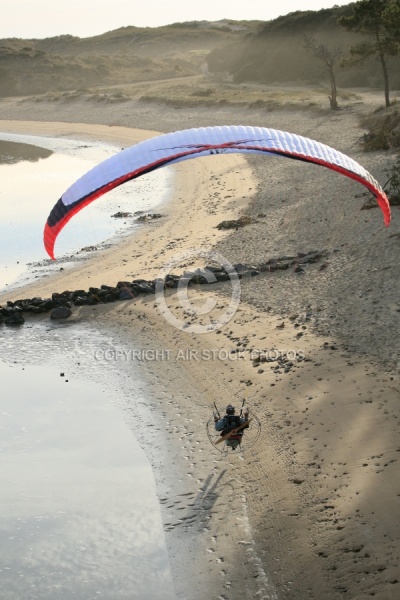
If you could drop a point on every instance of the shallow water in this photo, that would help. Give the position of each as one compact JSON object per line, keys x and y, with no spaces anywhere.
{"x":29,"y":191}
{"x":80,"y":516}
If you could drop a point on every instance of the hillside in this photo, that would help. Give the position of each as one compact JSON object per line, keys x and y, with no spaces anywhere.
{"x":117,"y":57}
{"x":271,"y":52}
{"x":276,"y":52}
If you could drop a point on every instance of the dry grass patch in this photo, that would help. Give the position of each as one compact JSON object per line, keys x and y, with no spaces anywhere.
{"x":203,"y":91}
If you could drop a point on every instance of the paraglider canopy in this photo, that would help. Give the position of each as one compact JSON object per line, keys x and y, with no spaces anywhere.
{"x":175,"y":147}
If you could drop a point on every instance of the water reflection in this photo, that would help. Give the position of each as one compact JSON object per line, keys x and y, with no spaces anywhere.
{"x":79,"y":517}
{"x":30,"y":189}
{"x":79,"y":513}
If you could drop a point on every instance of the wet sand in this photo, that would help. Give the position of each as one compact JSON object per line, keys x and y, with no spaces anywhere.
{"x":311,"y":511}
{"x":11,"y":152}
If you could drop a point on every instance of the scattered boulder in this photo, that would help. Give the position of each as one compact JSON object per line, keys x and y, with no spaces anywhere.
{"x":122,"y":215}
{"x":149,"y":217}
{"x":236,"y":223}
{"x":89,"y":249}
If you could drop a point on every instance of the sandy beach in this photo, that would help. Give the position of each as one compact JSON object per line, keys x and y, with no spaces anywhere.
{"x":311,"y":511}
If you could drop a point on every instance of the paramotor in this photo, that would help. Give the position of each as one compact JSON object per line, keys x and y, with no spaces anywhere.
{"x":223,"y":441}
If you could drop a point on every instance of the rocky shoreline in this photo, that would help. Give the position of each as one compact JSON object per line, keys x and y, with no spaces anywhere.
{"x":60,"y":303}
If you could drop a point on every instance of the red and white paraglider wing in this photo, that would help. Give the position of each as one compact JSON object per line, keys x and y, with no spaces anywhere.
{"x":174,"y":147}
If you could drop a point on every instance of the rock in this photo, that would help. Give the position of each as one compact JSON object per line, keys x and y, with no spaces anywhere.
{"x":285,"y":258}
{"x":109,"y":298}
{"x":47,"y":304}
{"x":240,"y":267}
{"x":214,"y":269}
{"x":274,"y":265}
{"x":127,"y":295}
{"x":35,"y":310}
{"x":79,"y":293}
{"x":143,"y":288}
{"x":139,"y":281}
{"x":121,"y":215}
{"x":235,"y":223}
{"x":60,"y":312}
{"x":60,"y":299}
{"x":150,"y":216}
{"x":171,"y":281}
{"x":92,"y":299}
{"x":108,"y":294}
{"x":251,"y":273}
{"x":89,"y":249}
{"x":197,"y":277}
{"x":82,"y":300}
{"x":15,"y":318}
{"x":221,"y":276}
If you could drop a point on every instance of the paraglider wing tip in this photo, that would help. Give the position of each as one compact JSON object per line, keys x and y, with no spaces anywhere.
{"x":50,"y":252}
{"x":48,"y":240}
{"x":385,"y":207}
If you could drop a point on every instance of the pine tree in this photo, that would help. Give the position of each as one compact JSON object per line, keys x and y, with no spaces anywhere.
{"x":379,"y":22}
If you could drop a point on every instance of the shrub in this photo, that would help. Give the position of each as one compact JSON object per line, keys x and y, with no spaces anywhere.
{"x":392,"y":186}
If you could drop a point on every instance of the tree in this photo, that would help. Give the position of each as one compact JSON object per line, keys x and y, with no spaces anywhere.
{"x":379,"y":22}
{"x":330,"y":59}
